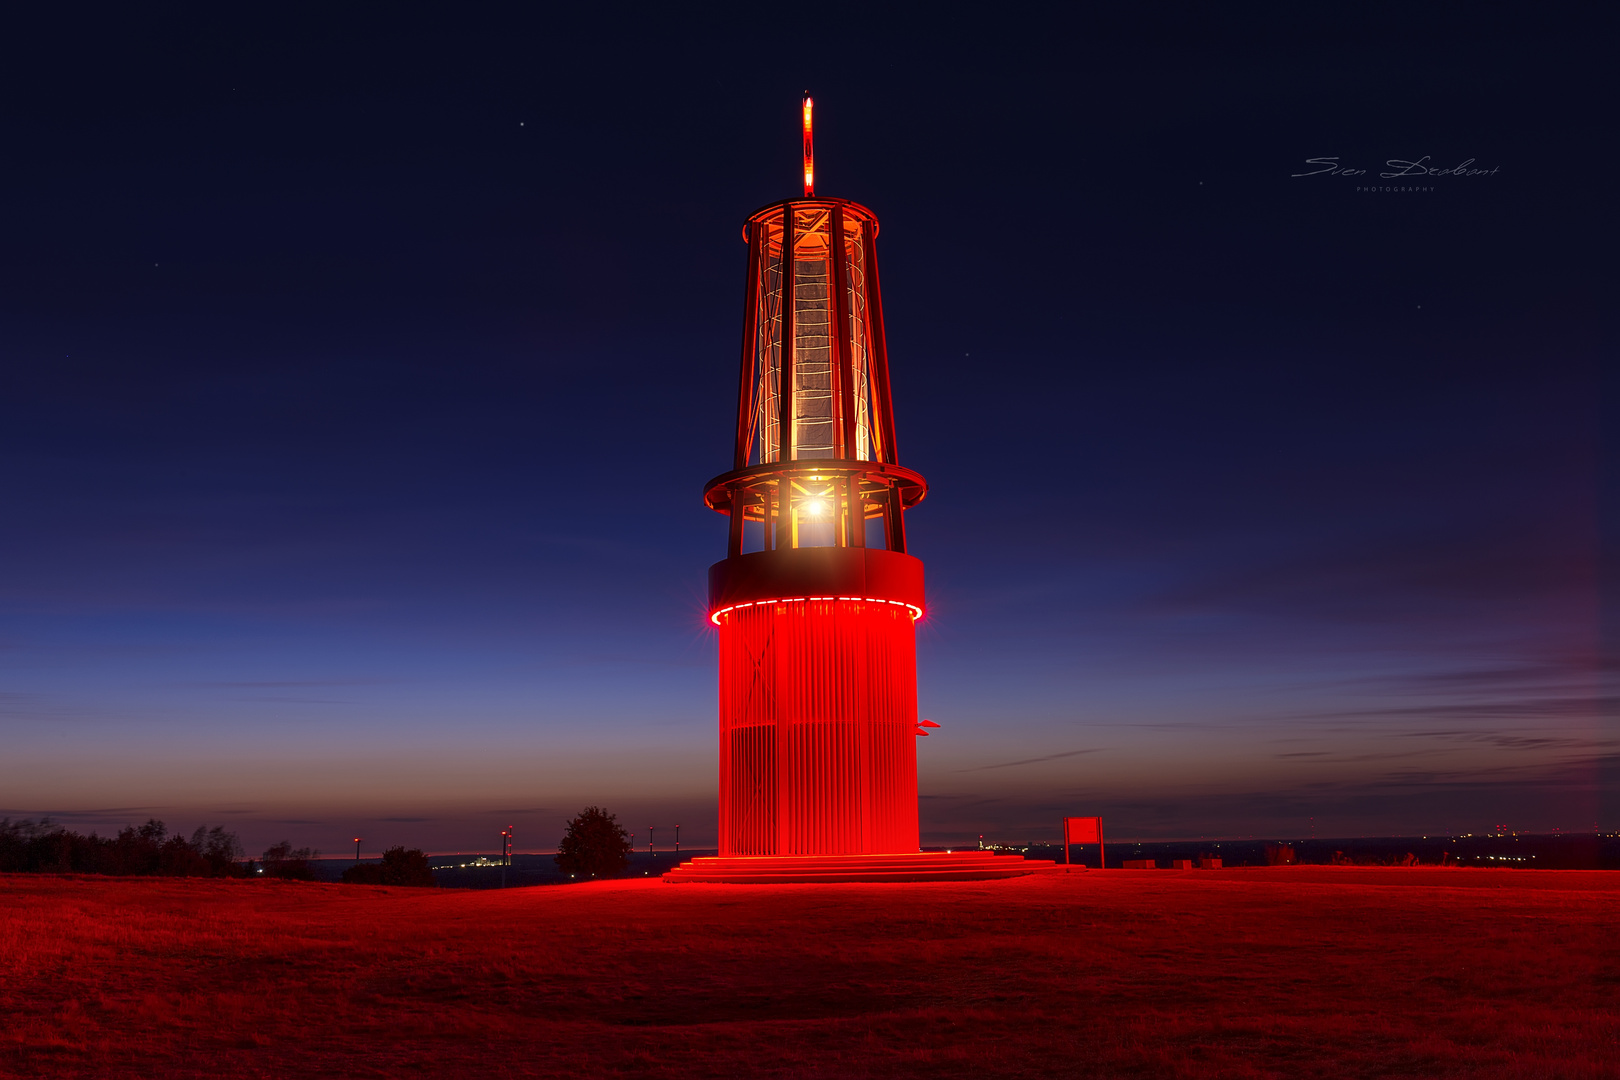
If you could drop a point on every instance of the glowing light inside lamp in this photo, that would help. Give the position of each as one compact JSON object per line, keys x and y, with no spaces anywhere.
{"x":809,"y":151}
{"x":815,"y":507}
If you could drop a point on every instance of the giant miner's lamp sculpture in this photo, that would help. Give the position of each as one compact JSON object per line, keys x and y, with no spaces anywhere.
{"x":817,"y":595}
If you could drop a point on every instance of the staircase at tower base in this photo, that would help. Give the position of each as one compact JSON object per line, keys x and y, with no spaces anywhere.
{"x":815,"y":869}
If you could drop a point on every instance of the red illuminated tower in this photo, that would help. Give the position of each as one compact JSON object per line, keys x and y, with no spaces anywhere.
{"x":816,"y":597}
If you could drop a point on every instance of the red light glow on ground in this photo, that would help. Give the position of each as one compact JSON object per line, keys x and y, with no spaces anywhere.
{"x":1260,"y":972}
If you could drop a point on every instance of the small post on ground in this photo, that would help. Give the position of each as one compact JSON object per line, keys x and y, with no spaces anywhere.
{"x":357,"y":849}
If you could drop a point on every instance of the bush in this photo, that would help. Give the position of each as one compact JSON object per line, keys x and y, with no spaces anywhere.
{"x":285,"y":861}
{"x":399,"y":866}
{"x":594,"y":846}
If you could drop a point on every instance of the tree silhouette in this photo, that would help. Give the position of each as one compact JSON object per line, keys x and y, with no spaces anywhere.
{"x":220,"y":849}
{"x":285,"y":861}
{"x":399,"y":866}
{"x":43,"y":847}
{"x":595,"y":845}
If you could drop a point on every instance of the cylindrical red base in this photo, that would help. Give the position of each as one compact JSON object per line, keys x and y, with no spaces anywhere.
{"x":818,"y":714}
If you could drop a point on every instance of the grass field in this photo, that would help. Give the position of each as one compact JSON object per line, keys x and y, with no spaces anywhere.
{"x":1283,"y":972}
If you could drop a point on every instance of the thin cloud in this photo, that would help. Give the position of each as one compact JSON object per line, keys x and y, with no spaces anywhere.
{"x":282,"y":684}
{"x":1033,"y":760}
{"x":283,"y":698}
{"x":972,"y":801}
{"x":107,"y":812}
{"x":1581,"y":707}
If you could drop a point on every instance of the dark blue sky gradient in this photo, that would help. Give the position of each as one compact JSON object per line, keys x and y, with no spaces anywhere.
{"x":360,"y":370}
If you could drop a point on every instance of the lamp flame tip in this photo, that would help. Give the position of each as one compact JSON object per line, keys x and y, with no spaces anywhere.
{"x":809,"y":149}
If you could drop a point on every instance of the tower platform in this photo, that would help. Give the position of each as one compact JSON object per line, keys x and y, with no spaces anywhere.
{"x":809,"y":869}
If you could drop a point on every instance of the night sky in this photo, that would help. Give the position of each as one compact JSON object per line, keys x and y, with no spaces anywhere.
{"x":361,"y":368}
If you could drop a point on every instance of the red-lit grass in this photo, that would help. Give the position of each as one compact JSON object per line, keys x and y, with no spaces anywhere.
{"x":1279,"y":972}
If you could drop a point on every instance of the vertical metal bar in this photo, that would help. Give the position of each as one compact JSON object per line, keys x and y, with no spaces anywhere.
{"x":749,"y":379}
{"x":767,"y":520}
{"x":836,"y":404}
{"x":857,"y":513}
{"x":784,"y":516}
{"x":840,"y":513}
{"x":727,"y":679}
{"x":787,"y":690}
{"x":894,"y":522}
{"x":843,"y":346}
{"x":786,"y":407}
{"x":865,"y":774}
{"x":739,"y":512}
{"x":878,"y":361}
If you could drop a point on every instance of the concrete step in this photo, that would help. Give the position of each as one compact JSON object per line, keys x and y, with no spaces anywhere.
{"x":902,"y":866}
